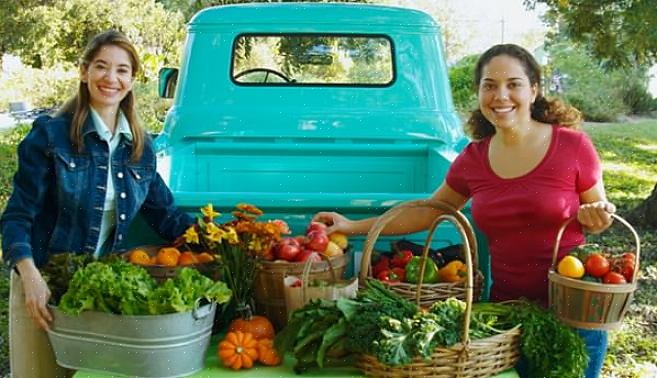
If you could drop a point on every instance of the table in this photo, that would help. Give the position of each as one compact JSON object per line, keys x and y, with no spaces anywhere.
{"x":214,"y":369}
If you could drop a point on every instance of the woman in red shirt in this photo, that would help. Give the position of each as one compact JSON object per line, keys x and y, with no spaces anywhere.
{"x":527,"y":171}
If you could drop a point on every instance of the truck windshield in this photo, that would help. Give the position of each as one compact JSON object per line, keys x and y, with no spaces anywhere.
{"x":313,"y":60}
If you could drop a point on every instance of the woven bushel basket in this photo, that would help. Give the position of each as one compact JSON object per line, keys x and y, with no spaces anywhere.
{"x":428,"y":292}
{"x":469,"y":358}
{"x":590,"y":305}
{"x":270,"y":289}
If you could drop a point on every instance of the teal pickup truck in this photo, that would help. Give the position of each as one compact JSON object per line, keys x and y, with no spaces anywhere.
{"x":298,"y":108}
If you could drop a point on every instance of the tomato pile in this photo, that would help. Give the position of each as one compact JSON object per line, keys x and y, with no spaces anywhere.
{"x":596,"y":266}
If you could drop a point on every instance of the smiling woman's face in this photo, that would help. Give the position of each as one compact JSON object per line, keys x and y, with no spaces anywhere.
{"x":108,"y":77}
{"x":505,"y":93}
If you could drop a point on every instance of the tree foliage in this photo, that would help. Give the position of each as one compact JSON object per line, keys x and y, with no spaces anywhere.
{"x":620,"y":32}
{"x":44,"y":33}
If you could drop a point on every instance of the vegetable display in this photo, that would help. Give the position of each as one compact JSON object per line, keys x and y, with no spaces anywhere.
{"x":382,"y":324}
{"x":589,"y":263}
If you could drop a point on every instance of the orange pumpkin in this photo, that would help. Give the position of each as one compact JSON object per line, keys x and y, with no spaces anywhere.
{"x":168,"y":256}
{"x":238,"y":350}
{"x":187,"y":258}
{"x":267,"y":353}
{"x":258,"y":326}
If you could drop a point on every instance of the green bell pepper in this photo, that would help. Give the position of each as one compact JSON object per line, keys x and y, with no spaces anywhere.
{"x":413,"y":271}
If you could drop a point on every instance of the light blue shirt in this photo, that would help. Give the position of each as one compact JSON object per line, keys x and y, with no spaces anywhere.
{"x":109,"y":208}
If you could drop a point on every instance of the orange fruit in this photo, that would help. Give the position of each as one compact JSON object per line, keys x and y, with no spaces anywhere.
{"x":571,"y":266}
{"x":168,"y":256}
{"x":204,"y":257}
{"x":139,"y":256}
{"x":187,"y":258}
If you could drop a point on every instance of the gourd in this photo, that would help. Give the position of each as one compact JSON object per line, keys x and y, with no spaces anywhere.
{"x":238,"y":350}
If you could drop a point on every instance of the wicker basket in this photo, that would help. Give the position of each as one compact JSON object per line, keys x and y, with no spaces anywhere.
{"x":161,"y":272}
{"x":270,"y":290}
{"x":468,"y":359}
{"x":590,"y":305}
{"x":427,"y":293}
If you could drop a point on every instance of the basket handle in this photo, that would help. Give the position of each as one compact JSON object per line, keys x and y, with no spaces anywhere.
{"x":465,"y":232}
{"x":385,"y":218}
{"x":306,"y":273}
{"x":625,"y":223}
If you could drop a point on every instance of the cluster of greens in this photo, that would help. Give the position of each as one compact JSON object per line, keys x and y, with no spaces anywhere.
{"x":122,"y":288}
{"x":59,"y":271}
{"x":384,"y":325}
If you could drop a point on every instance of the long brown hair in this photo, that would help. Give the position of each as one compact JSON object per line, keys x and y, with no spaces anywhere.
{"x":78,"y":105}
{"x":551,"y":111}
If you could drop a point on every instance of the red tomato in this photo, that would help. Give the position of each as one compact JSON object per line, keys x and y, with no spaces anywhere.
{"x":597,"y":265}
{"x":613,"y":278}
{"x":628,"y":256}
{"x":628,"y":270}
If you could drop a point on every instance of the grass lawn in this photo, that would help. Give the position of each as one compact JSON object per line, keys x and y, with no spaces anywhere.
{"x":629,"y":155}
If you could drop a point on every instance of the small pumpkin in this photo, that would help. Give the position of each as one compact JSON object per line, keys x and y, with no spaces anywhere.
{"x":258,"y":326}
{"x":238,"y":350}
{"x":267,"y":353}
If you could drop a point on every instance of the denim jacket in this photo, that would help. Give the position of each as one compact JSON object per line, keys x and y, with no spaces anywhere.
{"x":57,"y":202}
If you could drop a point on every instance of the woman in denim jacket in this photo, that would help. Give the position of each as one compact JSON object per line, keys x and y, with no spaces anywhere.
{"x":82,"y":177}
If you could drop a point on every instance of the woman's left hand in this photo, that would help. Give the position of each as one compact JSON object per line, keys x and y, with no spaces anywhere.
{"x":595,"y":217}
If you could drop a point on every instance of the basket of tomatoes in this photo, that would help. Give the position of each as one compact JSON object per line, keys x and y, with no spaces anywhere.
{"x":438,"y":282}
{"x":163,"y":262}
{"x":592,"y":287}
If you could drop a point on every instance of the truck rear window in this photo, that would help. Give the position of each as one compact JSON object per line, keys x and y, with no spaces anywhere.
{"x":292,"y":59}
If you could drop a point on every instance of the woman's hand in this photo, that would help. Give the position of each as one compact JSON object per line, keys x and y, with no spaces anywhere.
{"x":595,"y":217}
{"x":37,"y":293}
{"x":336,"y":222}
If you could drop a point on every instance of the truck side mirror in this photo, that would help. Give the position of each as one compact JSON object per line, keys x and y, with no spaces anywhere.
{"x":168,"y":79}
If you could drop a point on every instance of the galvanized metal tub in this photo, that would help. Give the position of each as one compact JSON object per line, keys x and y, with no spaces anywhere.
{"x":171,"y":345}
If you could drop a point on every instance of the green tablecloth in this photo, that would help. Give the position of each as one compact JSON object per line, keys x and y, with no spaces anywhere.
{"x":214,"y":369}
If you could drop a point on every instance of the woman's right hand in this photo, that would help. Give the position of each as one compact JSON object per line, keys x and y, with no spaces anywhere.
{"x":335,"y":222}
{"x":37,"y":293}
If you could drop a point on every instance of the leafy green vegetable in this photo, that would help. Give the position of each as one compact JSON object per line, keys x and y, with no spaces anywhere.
{"x":552,"y":349}
{"x":59,"y":271}
{"x":122,"y":288}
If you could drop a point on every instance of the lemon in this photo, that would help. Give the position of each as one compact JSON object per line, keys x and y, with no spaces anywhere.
{"x":571,"y":266}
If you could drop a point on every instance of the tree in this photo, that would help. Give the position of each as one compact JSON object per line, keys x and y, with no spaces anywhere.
{"x":622,"y":33}
{"x":43,"y":33}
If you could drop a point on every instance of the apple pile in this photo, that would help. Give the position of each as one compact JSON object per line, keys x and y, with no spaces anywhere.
{"x":311,"y":246}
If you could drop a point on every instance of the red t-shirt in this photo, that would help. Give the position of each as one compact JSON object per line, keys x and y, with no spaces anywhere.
{"x":521,"y":216}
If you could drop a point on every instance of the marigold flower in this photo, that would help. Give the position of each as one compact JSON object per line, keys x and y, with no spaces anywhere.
{"x":247,"y":207}
{"x":208,"y":212}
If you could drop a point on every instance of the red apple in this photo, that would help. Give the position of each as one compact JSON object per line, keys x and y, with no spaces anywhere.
{"x":288,"y":249}
{"x":308,"y":254}
{"x":317,"y":241}
{"x":316,"y":226}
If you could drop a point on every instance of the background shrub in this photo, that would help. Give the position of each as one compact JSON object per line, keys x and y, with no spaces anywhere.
{"x":460,"y":79}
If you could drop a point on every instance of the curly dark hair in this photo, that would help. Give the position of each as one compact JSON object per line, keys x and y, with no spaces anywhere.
{"x":552,"y":111}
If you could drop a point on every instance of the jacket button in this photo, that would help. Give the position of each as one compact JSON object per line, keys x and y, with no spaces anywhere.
{"x":71,"y":164}
{"x":122,"y":217}
{"x":119,"y":175}
{"x":122,"y":195}
{"x":119,"y":236}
